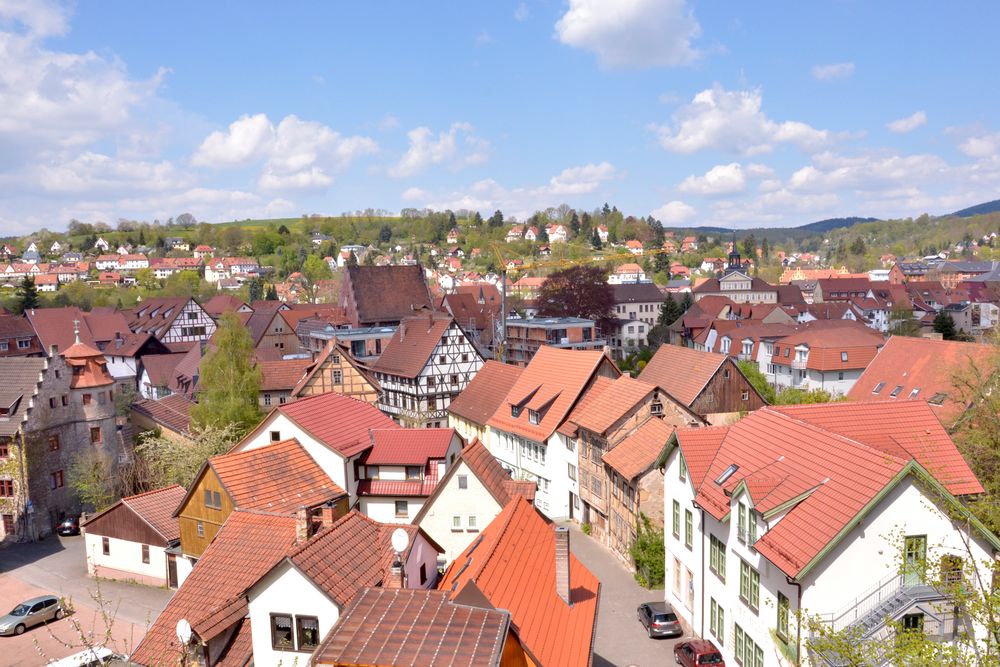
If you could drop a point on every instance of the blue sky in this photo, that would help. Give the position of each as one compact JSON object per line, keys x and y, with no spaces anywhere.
{"x":733,"y":114}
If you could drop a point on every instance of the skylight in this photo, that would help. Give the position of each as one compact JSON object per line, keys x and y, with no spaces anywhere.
{"x":913,"y":394}
{"x":895,"y":392}
{"x":878,"y":388}
{"x":937,"y":399}
{"x":726,"y":474}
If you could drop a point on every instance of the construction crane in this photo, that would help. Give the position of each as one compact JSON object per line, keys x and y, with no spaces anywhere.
{"x":562,"y":263}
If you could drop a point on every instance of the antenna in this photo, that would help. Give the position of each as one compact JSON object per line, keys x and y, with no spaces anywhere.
{"x":400,"y":540}
{"x":184,"y":631}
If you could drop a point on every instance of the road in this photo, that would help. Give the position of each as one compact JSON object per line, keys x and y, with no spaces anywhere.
{"x":621,"y":641}
{"x":57,"y":566}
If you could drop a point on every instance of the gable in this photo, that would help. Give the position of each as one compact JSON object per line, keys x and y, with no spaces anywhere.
{"x":121,"y":522}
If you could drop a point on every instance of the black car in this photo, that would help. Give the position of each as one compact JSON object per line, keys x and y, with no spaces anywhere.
{"x":659,"y":620}
{"x":69,"y":526}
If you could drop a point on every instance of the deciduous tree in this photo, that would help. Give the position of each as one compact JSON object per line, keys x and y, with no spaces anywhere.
{"x":230,"y":381}
{"x":579,"y":291}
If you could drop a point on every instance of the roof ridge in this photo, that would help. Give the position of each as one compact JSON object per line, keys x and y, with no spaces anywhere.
{"x":855,"y":443}
{"x":152,"y":491}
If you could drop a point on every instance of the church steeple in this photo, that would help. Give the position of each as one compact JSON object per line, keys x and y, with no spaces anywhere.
{"x":734,"y":256}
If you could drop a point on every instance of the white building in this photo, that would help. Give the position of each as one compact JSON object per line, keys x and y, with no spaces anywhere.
{"x":812,"y":509}
{"x":629,"y":272}
{"x":172,"y":320}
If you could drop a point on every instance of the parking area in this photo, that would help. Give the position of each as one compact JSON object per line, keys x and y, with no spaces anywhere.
{"x":621,"y":640}
{"x":106,"y":613}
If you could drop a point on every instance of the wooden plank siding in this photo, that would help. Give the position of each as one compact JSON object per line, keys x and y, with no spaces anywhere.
{"x":724,"y":395}
{"x":194,"y":511}
{"x":122,"y":523}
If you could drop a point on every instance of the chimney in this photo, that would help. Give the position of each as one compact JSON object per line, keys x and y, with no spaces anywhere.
{"x":562,"y":563}
{"x":402,"y":331}
{"x":328,"y":514}
{"x":302,"y":523}
{"x":396,"y":578}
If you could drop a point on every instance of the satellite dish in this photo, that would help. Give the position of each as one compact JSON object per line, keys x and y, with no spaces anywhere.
{"x":184,"y":631}
{"x":400,"y":540}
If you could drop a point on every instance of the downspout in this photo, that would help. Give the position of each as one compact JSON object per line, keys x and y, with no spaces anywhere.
{"x":702,"y":511}
{"x":798,"y":620}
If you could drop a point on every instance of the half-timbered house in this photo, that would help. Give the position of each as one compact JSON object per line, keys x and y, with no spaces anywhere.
{"x":178,"y":322}
{"x":335,"y":370}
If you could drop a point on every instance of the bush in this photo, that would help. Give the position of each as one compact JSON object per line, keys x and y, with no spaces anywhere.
{"x":648,"y":554}
{"x":585,"y":527}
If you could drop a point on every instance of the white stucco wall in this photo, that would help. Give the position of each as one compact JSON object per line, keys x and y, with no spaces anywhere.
{"x":551,"y":475}
{"x":676,"y":585}
{"x":184,"y":567}
{"x":124,"y":557}
{"x":452,"y":501}
{"x":384,"y":509}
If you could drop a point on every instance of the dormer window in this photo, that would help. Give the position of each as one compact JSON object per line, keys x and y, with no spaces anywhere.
{"x":533,"y":417}
{"x":515,"y":411}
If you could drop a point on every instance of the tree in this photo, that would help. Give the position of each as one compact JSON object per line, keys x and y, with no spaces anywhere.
{"x":687,"y":301}
{"x":749,"y":247}
{"x":283,"y":230}
{"x":759,"y":381}
{"x":574,"y":224}
{"x":648,"y":554}
{"x":496,"y":220}
{"x":314,"y":270}
{"x":595,"y":240}
{"x":146,"y":279}
{"x":272,"y":293}
{"x":385,"y":233}
{"x":670,"y":312}
{"x":477,"y":220}
{"x":92,"y":478}
{"x":229,"y":385}
{"x":255,"y":289}
{"x":902,"y":322}
{"x":579,"y":291}
{"x":27,"y":295}
{"x":173,"y":461}
{"x":858,"y":246}
{"x":765,"y":249}
{"x":352,"y":259}
{"x":944,"y":324}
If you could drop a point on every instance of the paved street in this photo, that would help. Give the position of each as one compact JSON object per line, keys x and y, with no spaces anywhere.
{"x":57,"y":566}
{"x":621,"y":640}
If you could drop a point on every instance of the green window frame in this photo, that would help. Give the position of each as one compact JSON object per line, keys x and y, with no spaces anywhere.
{"x":751,"y":526}
{"x":749,"y":586}
{"x":717,"y":621}
{"x":746,"y":651}
{"x":720,"y":623}
{"x":784,"y":607}
{"x":682,"y":469}
{"x":739,"y":644}
{"x":713,"y":609}
{"x":717,"y":557}
{"x":677,"y":520}
{"x":741,"y":522}
{"x":688,"y":529}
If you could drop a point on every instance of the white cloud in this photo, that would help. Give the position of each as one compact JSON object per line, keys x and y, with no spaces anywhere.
{"x":632,"y":33}
{"x":734,"y":122}
{"x":522,"y":12}
{"x":483,"y":38}
{"x":415,"y":194}
{"x":981,"y":145}
{"x":674,"y":213}
{"x":457,"y":147}
{"x":908,"y":124}
{"x":833,"y":72}
{"x":388,"y":122}
{"x":96,"y":173}
{"x":245,"y":142}
{"x":868,"y":171}
{"x":581,"y":180}
{"x":40,"y":18}
{"x":723,"y":179}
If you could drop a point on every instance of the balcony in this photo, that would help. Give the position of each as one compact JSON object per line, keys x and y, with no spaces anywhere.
{"x":799,"y":364}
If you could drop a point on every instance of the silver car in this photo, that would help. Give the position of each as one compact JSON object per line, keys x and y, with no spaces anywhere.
{"x":31,"y":613}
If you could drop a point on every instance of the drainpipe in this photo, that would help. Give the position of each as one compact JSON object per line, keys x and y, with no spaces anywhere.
{"x":798,"y":622}
{"x":702,"y":511}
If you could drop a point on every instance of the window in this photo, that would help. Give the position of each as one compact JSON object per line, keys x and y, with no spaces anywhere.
{"x":281,"y":632}
{"x":741,"y":522}
{"x":515,"y":411}
{"x":338,"y":377}
{"x":201,"y":529}
{"x":3,"y":346}
{"x":456,"y":522}
{"x":4,"y":450}
{"x":106,"y":546}
{"x":725,"y":373}
{"x":937,"y":399}
{"x":23,"y":343}
{"x":423,"y":573}
{"x":402,"y":509}
{"x":783,"y":607}
{"x":688,"y":529}
{"x":307,"y":632}
{"x":677,"y":520}
{"x":95,"y":435}
{"x":463,"y":481}
{"x":472,"y":524}
{"x":571,"y":471}
{"x":749,"y":585}
{"x":746,"y":394}
{"x":86,"y":399}
{"x":65,"y":400}
{"x":145,"y":554}
{"x":717,"y":557}
{"x":6,"y":488}
{"x":682,"y":469}
{"x":726,"y":474}
{"x":843,"y":356}
{"x":267,"y":399}
{"x":717,"y":621}
{"x":56,"y":480}
{"x":454,"y":379}
{"x":895,"y":392}
{"x":412,"y":472}
{"x":275,"y":436}
{"x":677,"y":577}
{"x":533,"y":416}
{"x":441,"y":359}
{"x":53,"y":443}
{"x":335,"y":359}
{"x":751,"y":527}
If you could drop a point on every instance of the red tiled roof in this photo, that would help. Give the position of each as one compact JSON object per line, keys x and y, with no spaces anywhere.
{"x":512,"y":563}
{"x":613,"y":404}
{"x":276,"y":478}
{"x":486,"y":392}
{"x":593,"y":392}
{"x":247,"y":546}
{"x":172,"y":411}
{"x":426,"y":629}
{"x":281,"y":375}
{"x":555,"y":378}
{"x":929,"y":366}
{"x":638,"y":452}
{"x":908,"y":429}
{"x":386,"y":293}
{"x":157,"y":509}
{"x":354,"y":552}
{"x":222,"y":303}
{"x":827,"y":345}
{"x":408,"y":446}
{"x":339,"y":422}
{"x":411,"y":346}
{"x":682,"y":372}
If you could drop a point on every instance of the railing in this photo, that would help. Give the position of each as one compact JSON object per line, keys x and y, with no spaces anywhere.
{"x":799,"y":364}
{"x":864,"y":603}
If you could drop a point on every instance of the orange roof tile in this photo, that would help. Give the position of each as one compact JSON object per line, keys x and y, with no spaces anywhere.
{"x":552,"y":374}
{"x":281,"y":375}
{"x":276,"y":478}
{"x":408,"y":446}
{"x":247,"y":546}
{"x":597,"y":387}
{"x":410,"y":348}
{"x":486,"y":392}
{"x":339,"y":422}
{"x":926,"y":366}
{"x":682,"y":372}
{"x":512,"y":563}
{"x":613,"y":404}
{"x":638,"y":452}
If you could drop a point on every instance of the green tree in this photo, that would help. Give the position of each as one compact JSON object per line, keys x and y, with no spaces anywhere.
{"x":858,"y":246}
{"x":902,"y":322}
{"x":759,"y":381}
{"x":574,"y":224}
{"x":750,"y":247}
{"x":496,"y":220}
{"x":797,"y":396}
{"x":173,"y":461}
{"x":595,"y":240}
{"x":648,"y":554}
{"x":669,"y":312}
{"x":272,"y":293}
{"x":579,"y":291}
{"x":229,"y":385}
{"x":385,"y":233}
{"x":146,"y":279}
{"x":27,"y":295}
{"x":255,"y":289}
{"x":182,"y":283}
{"x":92,"y":477}
{"x":314,"y":270}
{"x":944,"y":324}
{"x":765,"y":249}
{"x":283,"y":230}
{"x":352,"y":259}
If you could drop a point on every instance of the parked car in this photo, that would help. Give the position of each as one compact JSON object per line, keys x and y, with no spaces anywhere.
{"x":659,"y":619}
{"x":31,"y":613}
{"x":92,"y":657}
{"x":698,"y":652}
{"x":69,"y":526}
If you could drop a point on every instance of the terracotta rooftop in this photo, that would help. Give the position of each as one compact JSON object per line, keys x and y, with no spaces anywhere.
{"x":496,"y":480}
{"x":161,"y":367}
{"x":413,"y":488}
{"x":21,"y":379}
{"x":155,"y":507}
{"x":551,"y":384}
{"x":616,"y":401}
{"x":829,"y":342}
{"x":248,"y":545}
{"x":173,"y":411}
{"x":408,"y":446}
{"x":923,"y":369}
{"x":639,"y":451}
{"x":486,"y":392}
{"x":682,"y":372}
{"x":512,"y":565}
{"x":386,"y":293}
{"x":339,"y":422}
{"x":425,"y":629}
{"x":277,"y":478}
{"x":413,"y":343}
{"x":157,"y":314}
{"x":282,"y":375}
{"x":781,"y":457}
